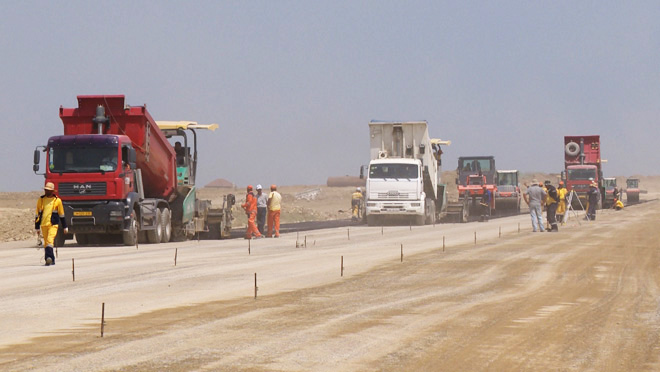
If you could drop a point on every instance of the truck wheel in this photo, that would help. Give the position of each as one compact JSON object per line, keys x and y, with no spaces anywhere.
{"x":82,"y":239}
{"x":130,"y":237}
{"x":430,"y":209}
{"x":59,"y":238}
{"x":167,"y":225}
{"x":154,"y":236}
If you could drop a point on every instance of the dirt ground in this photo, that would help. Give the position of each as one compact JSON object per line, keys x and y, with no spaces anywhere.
{"x":583,"y":299}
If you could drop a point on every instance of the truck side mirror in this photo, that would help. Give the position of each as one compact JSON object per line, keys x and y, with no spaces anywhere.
{"x":35,"y":168}
{"x":361,"y":171}
{"x":37,"y":158}
{"x":132,"y":158}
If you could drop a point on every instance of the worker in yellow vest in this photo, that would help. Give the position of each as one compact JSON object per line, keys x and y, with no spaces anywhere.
{"x":356,"y":203}
{"x":561,"y":207}
{"x":50,"y":214}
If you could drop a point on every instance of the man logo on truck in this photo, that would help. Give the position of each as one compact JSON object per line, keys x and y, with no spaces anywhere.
{"x":82,"y":188}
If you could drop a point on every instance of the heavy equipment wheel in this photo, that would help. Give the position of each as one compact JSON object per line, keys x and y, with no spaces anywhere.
{"x":167,"y":225}
{"x":82,"y":239}
{"x":129,"y":237}
{"x":154,"y":236}
{"x":371,"y":220}
{"x":59,"y":238}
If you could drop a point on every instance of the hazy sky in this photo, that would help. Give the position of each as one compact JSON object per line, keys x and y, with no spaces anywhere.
{"x":293,"y":84}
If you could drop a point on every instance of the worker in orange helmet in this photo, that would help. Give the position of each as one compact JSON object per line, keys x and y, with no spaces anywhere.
{"x":274,"y":209}
{"x":250,"y":207}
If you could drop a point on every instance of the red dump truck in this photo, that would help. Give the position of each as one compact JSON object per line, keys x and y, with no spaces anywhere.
{"x":118,"y":174}
{"x":582,"y":166}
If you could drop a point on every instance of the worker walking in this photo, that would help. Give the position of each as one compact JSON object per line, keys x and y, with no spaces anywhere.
{"x":485,"y":204}
{"x":262,"y":201}
{"x":552,"y":202}
{"x":250,"y":207}
{"x":274,"y":209}
{"x":50,"y":214}
{"x":561,"y":206}
{"x":534,"y":197}
{"x":593,"y":197}
{"x":356,"y":203}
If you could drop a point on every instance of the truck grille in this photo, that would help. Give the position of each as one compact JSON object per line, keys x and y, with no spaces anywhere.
{"x":78,"y":189}
{"x":393,"y":196}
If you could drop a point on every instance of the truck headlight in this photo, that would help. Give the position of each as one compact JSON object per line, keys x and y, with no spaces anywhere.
{"x":116,"y":214}
{"x":371,"y":204}
{"x":415,"y":204}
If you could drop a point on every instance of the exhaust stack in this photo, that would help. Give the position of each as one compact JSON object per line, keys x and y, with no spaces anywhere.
{"x":100,"y":119}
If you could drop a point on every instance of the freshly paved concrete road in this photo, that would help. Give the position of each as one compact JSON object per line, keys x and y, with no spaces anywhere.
{"x":583,"y":299}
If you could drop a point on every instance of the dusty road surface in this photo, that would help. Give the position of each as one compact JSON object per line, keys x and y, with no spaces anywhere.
{"x":584,"y":299}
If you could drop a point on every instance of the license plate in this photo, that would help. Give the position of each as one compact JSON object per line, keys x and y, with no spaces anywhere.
{"x":82,"y":213}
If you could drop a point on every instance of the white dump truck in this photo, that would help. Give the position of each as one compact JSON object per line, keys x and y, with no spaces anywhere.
{"x":403,"y":180}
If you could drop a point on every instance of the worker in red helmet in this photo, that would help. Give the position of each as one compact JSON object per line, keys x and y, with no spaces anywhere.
{"x":250,"y":207}
{"x":50,"y":214}
{"x":561,"y":206}
{"x":274,"y":209}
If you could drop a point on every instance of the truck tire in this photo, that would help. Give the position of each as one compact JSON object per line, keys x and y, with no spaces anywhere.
{"x":166,"y":219}
{"x":130,"y":237}
{"x":59,"y":238}
{"x":572,"y":149}
{"x":82,"y":239}
{"x":430,"y":210}
{"x":154,"y":236}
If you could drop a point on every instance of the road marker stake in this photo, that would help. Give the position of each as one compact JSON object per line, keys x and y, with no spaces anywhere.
{"x":518,"y":227}
{"x":348,"y":232}
{"x":73,"y":269}
{"x":500,"y":231}
{"x":401,"y":252}
{"x":176,"y":252}
{"x":102,"y":318}
{"x":255,"y":286}
{"x":443,"y":243}
{"x":342,"y":265}
{"x":475,"y":238}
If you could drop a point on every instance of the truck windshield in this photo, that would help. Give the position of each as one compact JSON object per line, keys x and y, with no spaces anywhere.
{"x":581,"y":174}
{"x":82,"y":159}
{"x":609,"y":183}
{"x":409,"y":171}
{"x":474,"y":165}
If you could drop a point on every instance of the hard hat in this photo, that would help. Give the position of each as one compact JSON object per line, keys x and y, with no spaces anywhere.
{"x":273,"y":187}
{"x":594,"y":184}
{"x":249,"y":187}
{"x":49,"y":186}
{"x":258,"y":187}
{"x":535,"y":180}
{"x":358,"y":189}
{"x":561,"y":182}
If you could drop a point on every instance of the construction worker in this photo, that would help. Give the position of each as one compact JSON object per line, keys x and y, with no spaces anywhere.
{"x":262,"y":207}
{"x":593,"y":196}
{"x":485,"y":204}
{"x":618,"y":204}
{"x":274,"y":209}
{"x":50,"y":214}
{"x":551,"y":201}
{"x":561,"y":207}
{"x":250,"y":207}
{"x":534,"y":197}
{"x":356,"y":203}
